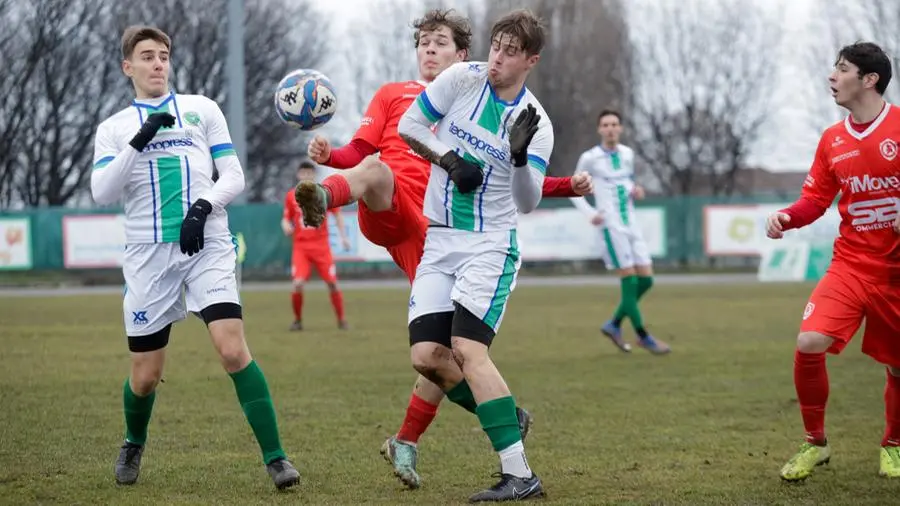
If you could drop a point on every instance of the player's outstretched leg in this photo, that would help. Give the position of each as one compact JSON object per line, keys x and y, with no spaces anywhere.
{"x":138,"y":395}
{"x":252,"y":390}
{"x":371,"y":181}
{"x":811,"y":384}
{"x":890,"y":443}
{"x":297,"y":306}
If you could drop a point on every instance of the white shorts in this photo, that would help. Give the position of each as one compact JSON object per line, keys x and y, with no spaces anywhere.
{"x":160,"y":279}
{"x":477,"y":270}
{"x":624,"y":248}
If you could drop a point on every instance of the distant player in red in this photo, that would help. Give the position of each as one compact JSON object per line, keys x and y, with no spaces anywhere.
{"x":391,"y":193}
{"x":310,"y":247}
{"x":858,"y":158}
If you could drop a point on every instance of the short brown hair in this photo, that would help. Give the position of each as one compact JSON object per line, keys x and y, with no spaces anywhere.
{"x":458,"y":25}
{"x":609,"y":112}
{"x":137,"y":33}
{"x":525,"y":26}
{"x":306,"y":164}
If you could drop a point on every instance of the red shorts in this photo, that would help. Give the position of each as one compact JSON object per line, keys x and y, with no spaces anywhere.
{"x":841,"y":301}
{"x":319,"y":256}
{"x":401,"y":229}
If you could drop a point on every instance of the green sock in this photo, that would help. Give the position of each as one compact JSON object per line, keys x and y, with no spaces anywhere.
{"x":499,"y":421}
{"x":253,"y":394}
{"x":644,"y":285}
{"x":137,"y":414}
{"x":461,"y":394}
{"x":628,"y":307}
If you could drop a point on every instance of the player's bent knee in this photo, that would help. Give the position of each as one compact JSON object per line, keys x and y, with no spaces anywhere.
{"x":813,"y":342}
{"x":333,"y":287}
{"x":428,"y":358}
{"x":431,"y":328}
{"x":893,"y":371}
{"x":298,"y":285}
{"x":146,"y":371}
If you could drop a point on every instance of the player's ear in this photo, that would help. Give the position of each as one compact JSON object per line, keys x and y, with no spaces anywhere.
{"x":870,"y":80}
{"x":533,"y":60}
{"x":126,"y":68}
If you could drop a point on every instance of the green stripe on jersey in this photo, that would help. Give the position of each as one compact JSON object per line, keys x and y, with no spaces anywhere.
{"x":491,"y":115}
{"x":171,"y":197}
{"x":615,"y":160}
{"x":622,"y":195}
{"x":462,"y":205}
{"x":223,"y":152}
{"x":504,"y":283}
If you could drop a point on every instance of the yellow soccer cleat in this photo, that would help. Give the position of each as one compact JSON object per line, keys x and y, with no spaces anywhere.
{"x":890,"y":462}
{"x":802,"y":464}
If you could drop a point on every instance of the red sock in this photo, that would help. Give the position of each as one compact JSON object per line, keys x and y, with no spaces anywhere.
{"x":338,"y":190}
{"x":419,"y":415}
{"x":297,"y":302}
{"x":811,"y":382}
{"x":891,"y":411}
{"x":337,"y":301}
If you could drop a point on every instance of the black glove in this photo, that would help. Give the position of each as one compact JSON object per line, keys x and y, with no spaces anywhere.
{"x":192,"y":227}
{"x":521,"y":133}
{"x":465,"y":175}
{"x":148,"y":130}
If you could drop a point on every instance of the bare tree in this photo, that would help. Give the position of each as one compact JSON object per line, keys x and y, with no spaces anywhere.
{"x":702,"y":87}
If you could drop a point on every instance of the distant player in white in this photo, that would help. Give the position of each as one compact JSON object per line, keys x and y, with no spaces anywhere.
{"x":489,"y":153}
{"x":157,"y":156}
{"x":612,"y":167}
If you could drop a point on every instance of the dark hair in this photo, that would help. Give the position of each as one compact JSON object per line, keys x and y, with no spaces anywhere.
{"x":436,"y":18}
{"x":608,"y":112}
{"x":870,"y":59}
{"x":306,"y":164}
{"x":137,"y":33}
{"x":525,"y":26}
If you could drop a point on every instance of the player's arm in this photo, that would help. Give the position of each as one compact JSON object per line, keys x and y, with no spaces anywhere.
{"x":561,"y":187}
{"x":580,"y":203}
{"x":818,"y":192}
{"x":112,"y":167}
{"x":530,"y":145}
{"x":288,"y":218}
{"x":231,"y":174}
{"x":339,"y":222}
{"x":430,"y":107}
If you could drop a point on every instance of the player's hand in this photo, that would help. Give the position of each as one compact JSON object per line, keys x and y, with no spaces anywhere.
{"x":637,"y":193}
{"x":775,"y":225}
{"x":287,"y":228}
{"x":597,"y":220}
{"x":319,"y":149}
{"x":465,"y":175}
{"x":345,"y":243}
{"x":192,"y":227}
{"x":148,"y":130}
{"x":582,"y":184}
{"x":521,"y":133}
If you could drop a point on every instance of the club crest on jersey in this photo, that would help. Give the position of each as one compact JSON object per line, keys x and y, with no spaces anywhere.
{"x":191,"y":118}
{"x":808,"y":310}
{"x":888,"y":149}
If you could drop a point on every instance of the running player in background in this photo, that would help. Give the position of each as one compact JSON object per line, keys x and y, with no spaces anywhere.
{"x":310,"y":246}
{"x":858,"y":158}
{"x":391,"y":194}
{"x":612,"y":166}
{"x":158,"y":155}
{"x":488,"y":140}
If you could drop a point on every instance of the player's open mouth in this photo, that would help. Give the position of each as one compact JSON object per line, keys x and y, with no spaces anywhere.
{"x":834,"y":91}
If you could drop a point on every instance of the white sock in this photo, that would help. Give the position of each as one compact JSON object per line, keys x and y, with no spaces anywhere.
{"x":513,"y":461}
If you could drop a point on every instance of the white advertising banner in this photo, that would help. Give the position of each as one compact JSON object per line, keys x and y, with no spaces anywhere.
{"x":740,"y":230}
{"x":93,"y":241}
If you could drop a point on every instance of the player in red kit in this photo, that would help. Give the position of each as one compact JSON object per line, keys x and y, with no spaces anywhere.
{"x":391,"y":193}
{"x":310,"y":247}
{"x":858,"y":158}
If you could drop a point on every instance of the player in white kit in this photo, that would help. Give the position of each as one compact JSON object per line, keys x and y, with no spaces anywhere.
{"x":157,"y":156}
{"x":489,"y":155}
{"x":612,"y":167}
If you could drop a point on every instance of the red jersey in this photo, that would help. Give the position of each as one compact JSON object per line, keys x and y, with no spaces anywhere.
{"x":302,"y":233}
{"x":379,"y":128}
{"x":865,"y":168}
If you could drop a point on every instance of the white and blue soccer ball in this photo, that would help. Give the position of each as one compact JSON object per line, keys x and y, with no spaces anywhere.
{"x":305,"y":99}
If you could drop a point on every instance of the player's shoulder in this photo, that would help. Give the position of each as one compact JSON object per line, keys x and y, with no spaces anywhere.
{"x":201,"y":101}
{"x":625,"y":150}
{"x":118,"y":118}
{"x":468,"y":72}
{"x":833,"y":135}
{"x":400,"y":90}
{"x":529,"y":98}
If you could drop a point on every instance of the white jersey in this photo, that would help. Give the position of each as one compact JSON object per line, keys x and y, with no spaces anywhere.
{"x":173,"y":171}
{"x":613,"y":175}
{"x":475,"y":123}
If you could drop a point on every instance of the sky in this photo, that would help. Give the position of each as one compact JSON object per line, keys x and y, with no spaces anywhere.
{"x":788,"y":141}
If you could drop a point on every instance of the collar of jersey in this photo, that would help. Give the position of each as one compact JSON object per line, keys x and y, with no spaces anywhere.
{"x":508,"y":104}
{"x":607,"y":151}
{"x":150,"y":105}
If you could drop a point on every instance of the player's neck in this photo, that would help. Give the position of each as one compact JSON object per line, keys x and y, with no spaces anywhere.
{"x":867,"y":109}
{"x":510,"y":93}
{"x":609,"y":146}
{"x":143,"y":95}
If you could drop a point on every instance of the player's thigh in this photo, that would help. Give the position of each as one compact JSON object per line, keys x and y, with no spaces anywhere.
{"x":403,"y":221}
{"x":430,"y":310}
{"x":153,"y":292}
{"x":211,"y":278}
{"x":616,"y":248}
{"x":488,"y":277}
{"x":881,"y":339}
{"x":835,"y":308}
{"x":300,"y":268}
{"x":640,"y":252}
{"x":324,"y":262}
{"x":408,"y":254}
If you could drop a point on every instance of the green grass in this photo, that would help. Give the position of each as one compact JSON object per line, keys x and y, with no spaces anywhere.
{"x":710,"y":424}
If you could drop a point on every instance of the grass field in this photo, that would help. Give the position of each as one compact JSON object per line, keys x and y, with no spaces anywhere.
{"x":709,"y":424}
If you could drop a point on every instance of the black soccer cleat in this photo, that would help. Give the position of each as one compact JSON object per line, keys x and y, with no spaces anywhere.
{"x":525,"y":422}
{"x":313,"y":202}
{"x":128,"y":465}
{"x":511,"y":488}
{"x":283,"y":473}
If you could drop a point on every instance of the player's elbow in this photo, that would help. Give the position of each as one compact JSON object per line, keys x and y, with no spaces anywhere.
{"x":407,"y":127}
{"x":527,"y":203}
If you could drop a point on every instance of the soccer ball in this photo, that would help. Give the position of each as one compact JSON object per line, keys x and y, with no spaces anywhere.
{"x":305,"y":99}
